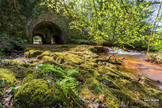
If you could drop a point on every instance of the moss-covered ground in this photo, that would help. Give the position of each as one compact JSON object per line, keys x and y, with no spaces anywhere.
{"x":155,"y":57}
{"x":99,"y":84}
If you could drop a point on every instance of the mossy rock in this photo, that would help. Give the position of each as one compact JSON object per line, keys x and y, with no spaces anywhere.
{"x":92,"y":83}
{"x":88,"y":64}
{"x":50,"y":60}
{"x":110,"y":100}
{"x":148,"y":82}
{"x":27,"y":54}
{"x":78,"y":77}
{"x":36,"y":93}
{"x":98,"y":49}
{"x":16,"y":71}
{"x":68,"y":67}
{"x":88,"y":73}
{"x":54,"y":55}
{"x":28,"y":79}
{"x":60,"y":59}
{"x":7,"y":74}
{"x":107,"y":70}
{"x":16,"y":62}
{"x":86,"y":94}
{"x":128,"y":75}
{"x":46,"y":53}
{"x":126,"y":97}
{"x":33,"y":53}
{"x":67,"y":58}
{"x":71,"y":59}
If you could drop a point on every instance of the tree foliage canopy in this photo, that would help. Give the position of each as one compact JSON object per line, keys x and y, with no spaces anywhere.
{"x":102,"y":21}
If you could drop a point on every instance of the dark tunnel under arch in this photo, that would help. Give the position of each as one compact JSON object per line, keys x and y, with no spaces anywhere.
{"x":48,"y":31}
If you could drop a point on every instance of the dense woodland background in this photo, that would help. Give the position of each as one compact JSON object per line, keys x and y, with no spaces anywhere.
{"x":124,"y":23}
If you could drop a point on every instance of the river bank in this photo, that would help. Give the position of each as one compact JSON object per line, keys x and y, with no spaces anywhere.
{"x":99,"y":82}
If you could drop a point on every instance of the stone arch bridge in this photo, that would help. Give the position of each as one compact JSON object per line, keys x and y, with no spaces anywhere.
{"x":47,"y":26}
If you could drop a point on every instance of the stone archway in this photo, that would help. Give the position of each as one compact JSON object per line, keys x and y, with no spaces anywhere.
{"x":47,"y":30}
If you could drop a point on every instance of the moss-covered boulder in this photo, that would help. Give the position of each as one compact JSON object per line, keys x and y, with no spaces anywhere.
{"x":46,"y":53}
{"x":36,"y":93}
{"x":50,"y":60}
{"x":92,"y":83}
{"x":7,"y":74}
{"x":33,"y":53}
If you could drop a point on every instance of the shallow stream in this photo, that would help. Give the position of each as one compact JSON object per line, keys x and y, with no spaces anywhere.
{"x":135,"y":62}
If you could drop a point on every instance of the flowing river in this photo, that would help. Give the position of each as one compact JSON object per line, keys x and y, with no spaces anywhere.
{"x":135,"y":62}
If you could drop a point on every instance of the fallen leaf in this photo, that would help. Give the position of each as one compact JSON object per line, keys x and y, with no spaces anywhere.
{"x":101,"y":97}
{"x":89,"y":105}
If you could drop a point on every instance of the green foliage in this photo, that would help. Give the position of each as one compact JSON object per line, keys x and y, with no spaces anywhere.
{"x":13,"y":87}
{"x":27,"y":7}
{"x":96,"y":100}
{"x":51,"y":69}
{"x":158,"y":45}
{"x":9,"y":43}
{"x":36,"y":39}
{"x":49,"y":80}
{"x":67,"y":83}
{"x":99,"y":88}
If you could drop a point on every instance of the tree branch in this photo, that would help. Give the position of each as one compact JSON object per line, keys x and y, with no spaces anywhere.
{"x":154,"y":3}
{"x":124,"y":7}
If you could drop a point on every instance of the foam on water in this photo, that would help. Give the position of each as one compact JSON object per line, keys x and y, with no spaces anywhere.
{"x":121,"y":51}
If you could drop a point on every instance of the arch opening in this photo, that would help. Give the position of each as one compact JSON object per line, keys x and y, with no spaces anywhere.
{"x":37,"y":39}
{"x":49,"y":32}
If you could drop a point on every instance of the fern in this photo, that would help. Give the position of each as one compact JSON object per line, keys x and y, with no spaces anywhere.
{"x":67,"y":84}
{"x":71,"y":72}
{"x":51,"y":68}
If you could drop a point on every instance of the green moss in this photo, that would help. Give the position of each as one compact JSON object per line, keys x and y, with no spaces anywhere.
{"x":86,"y":94}
{"x":88,"y":64}
{"x":110,"y":100}
{"x":46,"y":53}
{"x":67,"y":67}
{"x":54,"y":55}
{"x":33,"y":53}
{"x":128,"y":75}
{"x":36,"y":93}
{"x":50,"y":60}
{"x":27,"y":54}
{"x":16,"y":62}
{"x":107,"y":70}
{"x":32,"y":93}
{"x":92,"y":83}
{"x":78,"y":76}
{"x":148,"y":82}
{"x":72,"y":59}
{"x":7,"y":74}
{"x":28,"y":78}
{"x":60,"y":59}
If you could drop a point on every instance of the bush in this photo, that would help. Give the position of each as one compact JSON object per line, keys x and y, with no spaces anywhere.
{"x":8,"y":43}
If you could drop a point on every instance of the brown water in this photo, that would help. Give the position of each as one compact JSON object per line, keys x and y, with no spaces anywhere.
{"x":137,"y":65}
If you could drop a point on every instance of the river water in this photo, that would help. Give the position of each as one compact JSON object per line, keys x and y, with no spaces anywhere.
{"x":134,"y":62}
